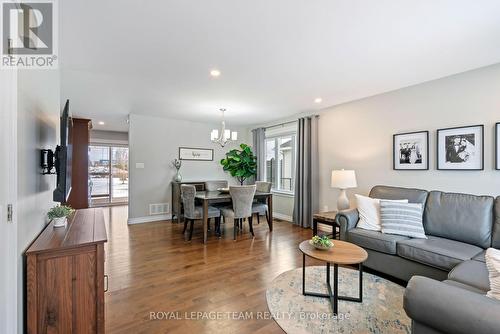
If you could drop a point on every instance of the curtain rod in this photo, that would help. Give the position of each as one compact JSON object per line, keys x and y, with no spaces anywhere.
{"x":280,"y":124}
{"x":289,"y":122}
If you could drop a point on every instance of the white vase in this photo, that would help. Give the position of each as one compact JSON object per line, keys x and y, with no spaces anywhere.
{"x":178,"y":177}
{"x":60,"y":222}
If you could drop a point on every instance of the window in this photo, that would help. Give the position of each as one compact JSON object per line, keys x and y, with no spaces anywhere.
{"x":280,"y":162}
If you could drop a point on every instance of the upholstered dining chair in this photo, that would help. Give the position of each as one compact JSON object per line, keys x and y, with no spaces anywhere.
{"x":242,"y":197}
{"x":194,"y":212}
{"x":260,"y":207}
{"x":214,"y":185}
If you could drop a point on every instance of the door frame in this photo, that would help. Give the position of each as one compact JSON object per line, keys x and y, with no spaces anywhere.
{"x":9,"y":280}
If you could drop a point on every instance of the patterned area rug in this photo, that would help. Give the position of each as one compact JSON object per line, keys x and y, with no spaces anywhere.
{"x":381,"y":310}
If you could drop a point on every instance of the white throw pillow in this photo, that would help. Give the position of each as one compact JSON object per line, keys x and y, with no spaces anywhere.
{"x":369,"y":212}
{"x":493,"y":264}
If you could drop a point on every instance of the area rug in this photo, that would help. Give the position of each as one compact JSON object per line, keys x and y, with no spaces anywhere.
{"x":381,"y":310}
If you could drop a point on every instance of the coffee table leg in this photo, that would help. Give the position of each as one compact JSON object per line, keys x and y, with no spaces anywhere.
{"x":361,"y":282}
{"x":303,"y":274}
{"x":335,"y":288}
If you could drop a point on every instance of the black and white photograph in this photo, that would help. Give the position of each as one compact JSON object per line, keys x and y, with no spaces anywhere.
{"x":461,"y":148}
{"x":497,"y":146}
{"x":411,"y":151}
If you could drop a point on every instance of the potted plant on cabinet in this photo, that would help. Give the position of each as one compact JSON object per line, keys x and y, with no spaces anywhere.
{"x":241,"y":164}
{"x":59,"y":215}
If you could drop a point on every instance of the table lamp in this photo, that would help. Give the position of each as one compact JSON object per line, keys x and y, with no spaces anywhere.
{"x":343,"y":179}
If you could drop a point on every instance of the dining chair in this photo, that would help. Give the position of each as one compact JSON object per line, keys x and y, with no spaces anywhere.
{"x":260,"y":207}
{"x":214,"y":185}
{"x":242,"y":197}
{"x":194,"y":212}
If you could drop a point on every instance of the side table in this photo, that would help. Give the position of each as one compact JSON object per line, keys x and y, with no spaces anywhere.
{"x":326,"y":218}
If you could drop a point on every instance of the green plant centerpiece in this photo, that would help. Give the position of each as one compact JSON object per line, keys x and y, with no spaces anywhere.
{"x":240,"y":163}
{"x":59,"y":215}
{"x":322,"y":243}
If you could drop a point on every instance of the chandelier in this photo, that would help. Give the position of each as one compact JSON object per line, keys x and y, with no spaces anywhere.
{"x":225,"y":134}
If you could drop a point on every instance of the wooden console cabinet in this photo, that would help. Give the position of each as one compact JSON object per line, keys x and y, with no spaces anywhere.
{"x":65,"y":276}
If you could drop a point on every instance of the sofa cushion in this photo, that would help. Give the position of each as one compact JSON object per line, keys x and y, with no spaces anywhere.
{"x":495,"y":240}
{"x":377,"y":241}
{"x":473,"y":273}
{"x":437,"y":252}
{"x":480,"y":257}
{"x":460,"y":217}
{"x":395,"y":193}
{"x":464,"y":286}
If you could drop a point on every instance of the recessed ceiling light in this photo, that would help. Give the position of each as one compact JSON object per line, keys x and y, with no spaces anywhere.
{"x":318,"y":100}
{"x":215,"y":73}
{"x":101,"y":123}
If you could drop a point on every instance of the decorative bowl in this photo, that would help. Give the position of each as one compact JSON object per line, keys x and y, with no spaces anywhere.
{"x":320,"y":246}
{"x":223,"y":190}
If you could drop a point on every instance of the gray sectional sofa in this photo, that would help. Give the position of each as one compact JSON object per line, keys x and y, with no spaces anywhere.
{"x":447,"y":273}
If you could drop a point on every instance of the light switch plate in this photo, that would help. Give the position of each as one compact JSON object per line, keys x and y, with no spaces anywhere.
{"x":139,"y":165}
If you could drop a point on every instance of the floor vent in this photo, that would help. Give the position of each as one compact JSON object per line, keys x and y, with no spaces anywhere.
{"x":159,"y":209}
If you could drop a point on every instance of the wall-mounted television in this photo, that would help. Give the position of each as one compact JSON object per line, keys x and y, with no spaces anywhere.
{"x":62,"y":156}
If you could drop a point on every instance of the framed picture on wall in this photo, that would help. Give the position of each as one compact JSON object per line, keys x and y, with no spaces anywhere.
{"x":196,"y":154}
{"x":497,"y":146}
{"x":411,"y":151}
{"x":461,"y":148}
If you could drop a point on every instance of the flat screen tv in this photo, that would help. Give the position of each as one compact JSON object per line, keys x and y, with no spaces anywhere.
{"x":63,"y":158}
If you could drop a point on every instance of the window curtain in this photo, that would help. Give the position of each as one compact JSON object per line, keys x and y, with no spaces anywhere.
{"x":259,"y":149}
{"x":307,"y":172}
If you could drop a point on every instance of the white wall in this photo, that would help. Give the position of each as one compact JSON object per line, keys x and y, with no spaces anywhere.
{"x":38,"y":128}
{"x":155,"y":141}
{"x":358,"y":135}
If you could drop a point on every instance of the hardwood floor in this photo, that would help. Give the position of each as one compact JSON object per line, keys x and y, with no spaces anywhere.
{"x":152,"y":269}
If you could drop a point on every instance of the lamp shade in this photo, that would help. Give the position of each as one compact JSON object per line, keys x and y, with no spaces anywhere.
{"x":343,"y":179}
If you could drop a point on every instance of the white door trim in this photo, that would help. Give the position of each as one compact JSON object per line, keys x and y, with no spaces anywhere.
{"x":9,"y":306}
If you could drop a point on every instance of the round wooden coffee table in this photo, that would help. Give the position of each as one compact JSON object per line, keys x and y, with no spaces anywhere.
{"x":341,"y":253}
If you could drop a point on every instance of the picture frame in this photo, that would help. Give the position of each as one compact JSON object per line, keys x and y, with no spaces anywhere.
{"x":497,"y":146}
{"x":460,"y":148}
{"x":410,"y":151}
{"x":196,"y":154}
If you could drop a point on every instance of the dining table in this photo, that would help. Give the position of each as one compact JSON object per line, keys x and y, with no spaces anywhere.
{"x":207,"y":197}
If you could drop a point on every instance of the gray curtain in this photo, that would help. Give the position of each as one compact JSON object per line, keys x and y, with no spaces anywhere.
{"x":307,"y":172}
{"x":259,"y":150}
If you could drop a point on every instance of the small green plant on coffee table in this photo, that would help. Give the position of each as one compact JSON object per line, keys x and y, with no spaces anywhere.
{"x":322,"y":241}
{"x":59,"y":211}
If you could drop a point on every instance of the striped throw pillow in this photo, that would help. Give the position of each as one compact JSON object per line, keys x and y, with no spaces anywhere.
{"x":492,"y":257}
{"x":402,"y":219}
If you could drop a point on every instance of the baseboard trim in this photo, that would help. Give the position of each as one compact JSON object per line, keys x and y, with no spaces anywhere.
{"x":148,"y":219}
{"x":155,"y":218}
{"x":283,"y":217}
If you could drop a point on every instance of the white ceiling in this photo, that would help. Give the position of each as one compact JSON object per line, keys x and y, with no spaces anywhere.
{"x":276,"y":57}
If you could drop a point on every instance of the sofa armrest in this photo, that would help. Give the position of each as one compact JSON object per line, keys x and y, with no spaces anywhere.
{"x":347,"y":219}
{"x":450,"y":309}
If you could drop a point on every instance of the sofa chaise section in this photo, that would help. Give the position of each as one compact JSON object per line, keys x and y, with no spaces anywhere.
{"x":439,"y":307}
{"x":447,"y":273}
